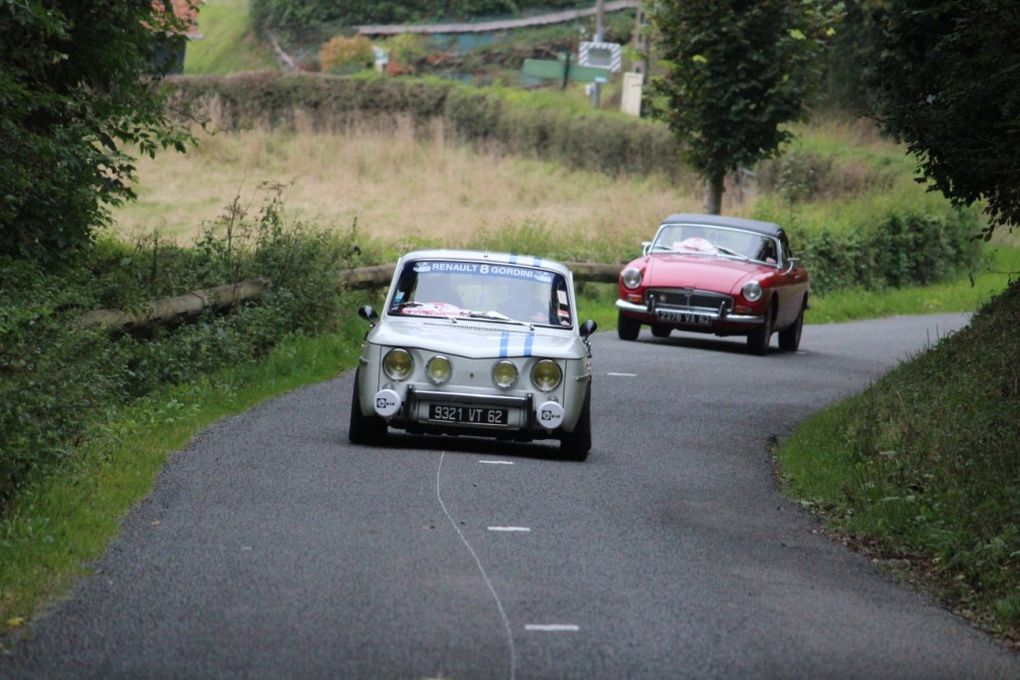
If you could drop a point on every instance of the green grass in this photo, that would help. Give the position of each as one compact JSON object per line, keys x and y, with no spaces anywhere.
{"x":960,"y":295}
{"x":924,"y":467}
{"x":227,"y":44}
{"x":59,"y":523}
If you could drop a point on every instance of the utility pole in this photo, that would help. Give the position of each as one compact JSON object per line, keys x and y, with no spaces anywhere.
{"x":641,"y":43}
{"x":600,"y":34}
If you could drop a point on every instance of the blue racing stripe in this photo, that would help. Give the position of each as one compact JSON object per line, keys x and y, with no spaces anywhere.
{"x":527,"y":345}
{"x":504,"y":340}
{"x":538,"y":262}
{"x":513,"y":258}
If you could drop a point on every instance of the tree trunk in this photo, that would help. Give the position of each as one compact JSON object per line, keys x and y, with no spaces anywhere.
{"x":714,"y":192}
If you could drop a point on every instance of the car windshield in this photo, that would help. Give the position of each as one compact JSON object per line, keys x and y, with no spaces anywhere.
{"x":698,"y":239}
{"x":482,"y":290}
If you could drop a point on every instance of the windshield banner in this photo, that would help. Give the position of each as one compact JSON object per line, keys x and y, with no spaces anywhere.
{"x":497,"y":270}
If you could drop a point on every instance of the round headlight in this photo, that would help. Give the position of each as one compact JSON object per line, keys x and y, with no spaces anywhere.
{"x":398,"y":364}
{"x":751,"y":291}
{"x":546,"y":375}
{"x":631,"y":277}
{"x":439,"y":369}
{"x":504,"y":374}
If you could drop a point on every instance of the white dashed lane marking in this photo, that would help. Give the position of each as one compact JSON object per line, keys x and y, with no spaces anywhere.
{"x":552,"y":627}
{"x":623,"y":375}
{"x":495,"y":462}
{"x":521,"y":529}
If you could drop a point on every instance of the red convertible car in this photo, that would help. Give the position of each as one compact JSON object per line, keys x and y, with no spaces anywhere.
{"x":713,"y":274}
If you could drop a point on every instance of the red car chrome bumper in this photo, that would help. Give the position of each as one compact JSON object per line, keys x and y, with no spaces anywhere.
{"x":689,"y":317}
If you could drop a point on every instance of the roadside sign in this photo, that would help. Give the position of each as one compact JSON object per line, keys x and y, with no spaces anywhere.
{"x":563,"y":70}
{"x":604,"y":55}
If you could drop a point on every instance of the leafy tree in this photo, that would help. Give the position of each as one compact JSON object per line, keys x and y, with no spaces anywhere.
{"x":948,"y":85}
{"x":78,"y":89}
{"x":737,"y":70}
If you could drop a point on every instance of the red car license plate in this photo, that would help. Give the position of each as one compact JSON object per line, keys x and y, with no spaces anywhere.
{"x":471,"y":415}
{"x":684,"y":317}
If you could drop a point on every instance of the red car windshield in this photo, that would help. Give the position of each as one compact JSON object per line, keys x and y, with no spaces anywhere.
{"x":482,"y":290}
{"x":697,"y":239}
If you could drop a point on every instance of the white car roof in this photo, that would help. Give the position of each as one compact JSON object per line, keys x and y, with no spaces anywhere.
{"x":487,"y":256}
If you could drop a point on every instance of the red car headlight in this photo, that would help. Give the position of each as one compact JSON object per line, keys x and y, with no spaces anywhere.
{"x":631,"y":277}
{"x":751,"y":291}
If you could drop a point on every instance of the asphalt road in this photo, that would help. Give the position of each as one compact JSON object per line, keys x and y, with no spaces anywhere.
{"x":271,"y":548}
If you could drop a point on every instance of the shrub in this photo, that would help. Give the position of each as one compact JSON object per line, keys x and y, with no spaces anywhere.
{"x":513,"y":122}
{"x":56,"y":376}
{"x":407,"y":50}
{"x":880,"y":243}
{"x":343,"y":54}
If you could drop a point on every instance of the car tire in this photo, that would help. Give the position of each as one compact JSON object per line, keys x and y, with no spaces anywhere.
{"x":364,"y":429}
{"x":758,"y":339}
{"x":627,"y":328}
{"x":576,"y":445}
{"x":789,"y":338}
{"x":661,"y":331}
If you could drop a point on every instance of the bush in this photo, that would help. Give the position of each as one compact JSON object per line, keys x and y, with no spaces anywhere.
{"x":407,"y":50}
{"x":341,"y":54}
{"x":56,"y":376}
{"x":882,"y":244}
{"x":491,"y":118}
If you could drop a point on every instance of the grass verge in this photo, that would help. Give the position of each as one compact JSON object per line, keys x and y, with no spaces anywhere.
{"x":59,"y":523}
{"x":964,"y":294}
{"x":922,"y":470}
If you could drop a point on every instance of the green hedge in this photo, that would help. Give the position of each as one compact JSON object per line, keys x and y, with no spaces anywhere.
{"x":903,"y":250}
{"x":896,"y":247}
{"x":513,"y":122}
{"x":57,"y":378}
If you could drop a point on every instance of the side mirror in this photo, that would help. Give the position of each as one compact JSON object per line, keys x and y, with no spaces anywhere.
{"x":368,"y":314}
{"x":791,"y":264}
{"x":587,"y":328}
{"x":645,"y":247}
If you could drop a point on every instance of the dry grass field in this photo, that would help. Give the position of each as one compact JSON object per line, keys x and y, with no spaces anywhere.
{"x":394,"y":184}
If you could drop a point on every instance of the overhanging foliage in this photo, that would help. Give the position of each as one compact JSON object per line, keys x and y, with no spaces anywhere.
{"x":78,"y":89}
{"x":948,"y":84}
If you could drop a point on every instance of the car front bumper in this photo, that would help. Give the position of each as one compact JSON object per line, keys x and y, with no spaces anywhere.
{"x":706,"y":319}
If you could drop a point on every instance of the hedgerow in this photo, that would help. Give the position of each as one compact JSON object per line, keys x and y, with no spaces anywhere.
{"x":56,"y":376}
{"x":512,"y":122}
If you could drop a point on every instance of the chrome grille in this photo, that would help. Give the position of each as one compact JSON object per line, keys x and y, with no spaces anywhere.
{"x":688,"y":298}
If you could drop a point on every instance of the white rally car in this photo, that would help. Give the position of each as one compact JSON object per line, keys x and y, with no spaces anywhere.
{"x":474,"y":343}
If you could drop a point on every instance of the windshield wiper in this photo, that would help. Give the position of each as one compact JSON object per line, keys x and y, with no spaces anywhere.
{"x":493,"y":315}
{"x":726,"y":251}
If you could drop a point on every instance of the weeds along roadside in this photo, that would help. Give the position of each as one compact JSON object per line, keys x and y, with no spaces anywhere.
{"x":922,"y":470}
{"x":57,"y":377}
